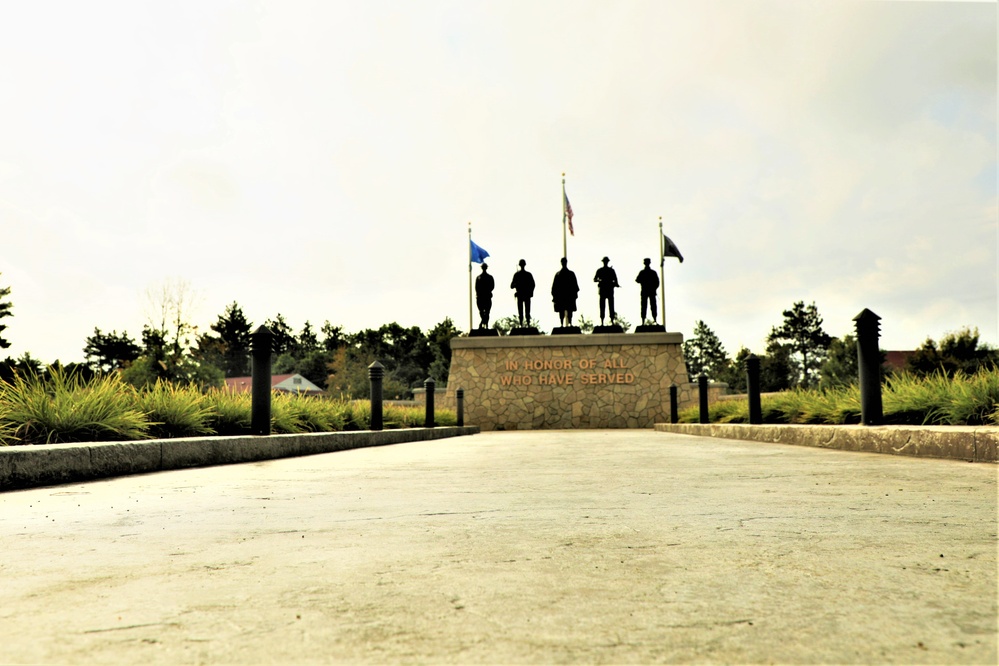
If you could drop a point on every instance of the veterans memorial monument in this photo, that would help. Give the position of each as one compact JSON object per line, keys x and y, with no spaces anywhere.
{"x":607,"y":379}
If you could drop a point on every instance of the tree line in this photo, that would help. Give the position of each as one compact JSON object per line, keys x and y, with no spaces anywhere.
{"x":334,"y":360}
{"x":171,"y":348}
{"x":799,"y":353}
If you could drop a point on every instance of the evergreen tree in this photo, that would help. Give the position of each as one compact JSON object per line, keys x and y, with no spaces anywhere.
{"x":282,"y":338}
{"x":110,"y":351}
{"x":161,"y":360}
{"x":440,"y":337}
{"x":308,"y":341}
{"x":5,"y":307}
{"x":405,"y":352}
{"x":840,"y":367}
{"x":229,"y":350}
{"x":24,"y":366}
{"x":802,"y":331}
{"x":154,"y":348}
{"x":314,"y":366}
{"x":705,"y":353}
{"x":333,"y":337}
{"x":777,"y":369}
{"x":736,"y":375}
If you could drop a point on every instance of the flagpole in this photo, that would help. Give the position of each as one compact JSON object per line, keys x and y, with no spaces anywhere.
{"x":564,"y":212}
{"x":469,"y":276}
{"x":662,"y":273}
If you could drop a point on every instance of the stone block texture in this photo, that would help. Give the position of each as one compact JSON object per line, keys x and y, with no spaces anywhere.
{"x":579,"y":381}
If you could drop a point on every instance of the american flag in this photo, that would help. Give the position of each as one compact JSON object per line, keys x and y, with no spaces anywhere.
{"x":568,"y":212}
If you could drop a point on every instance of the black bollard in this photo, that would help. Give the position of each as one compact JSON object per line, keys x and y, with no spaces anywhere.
{"x":753,"y":389}
{"x":375,"y":373}
{"x":460,"y":398}
{"x":869,"y":367}
{"x":674,"y":405}
{"x":260,"y":386}
{"x":702,"y":391}
{"x":429,"y":386}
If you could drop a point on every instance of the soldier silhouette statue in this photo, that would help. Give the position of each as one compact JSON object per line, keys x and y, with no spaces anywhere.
{"x":650,"y":284}
{"x":484,"y":284}
{"x":565,"y":289}
{"x":606,"y":279}
{"x":523,"y":286}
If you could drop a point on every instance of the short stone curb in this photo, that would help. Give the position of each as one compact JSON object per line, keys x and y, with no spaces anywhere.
{"x":971,"y":443}
{"x":49,"y":464}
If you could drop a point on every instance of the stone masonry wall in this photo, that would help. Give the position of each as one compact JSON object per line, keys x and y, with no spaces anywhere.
{"x":578,"y":381}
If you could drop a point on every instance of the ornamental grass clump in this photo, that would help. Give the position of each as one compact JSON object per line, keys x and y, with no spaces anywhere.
{"x":230,"y":412}
{"x":298,"y":413}
{"x":909,"y":400}
{"x":395,"y":416}
{"x":63,"y":408}
{"x":972,"y":401}
{"x":6,"y":425}
{"x":906,"y":400}
{"x":359,"y":415}
{"x":961,"y":400}
{"x":720,"y":411}
{"x":834,"y":405}
{"x":175,"y":411}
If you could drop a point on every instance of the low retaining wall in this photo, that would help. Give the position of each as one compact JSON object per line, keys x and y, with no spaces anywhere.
{"x":972,"y":443}
{"x":48,"y":464}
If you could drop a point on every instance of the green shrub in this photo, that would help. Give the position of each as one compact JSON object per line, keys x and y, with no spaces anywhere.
{"x":6,"y":424}
{"x":910,"y":400}
{"x":394,"y":416}
{"x":941,"y":400}
{"x":833,"y":405}
{"x":230,"y":412}
{"x":906,"y":399}
{"x":175,"y":411}
{"x":721,"y":411}
{"x":285,"y":417}
{"x":974,"y":402}
{"x":359,"y":415}
{"x":63,"y":408}
{"x":304,"y":414}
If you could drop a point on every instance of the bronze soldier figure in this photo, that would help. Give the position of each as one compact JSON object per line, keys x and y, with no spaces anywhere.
{"x":484,"y":284}
{"x":523,"y":284}
{"x":650,"y":283}
{"x":564,"y":292}
{"x":606,"y":279}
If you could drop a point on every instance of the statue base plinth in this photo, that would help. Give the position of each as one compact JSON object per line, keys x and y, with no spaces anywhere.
{"x":483,"y":333}
{"x":568,"y":381}
{"x":566,"y":330}
{"x":650,"y":328}
{"x":613,"y":328}
{"x":525,"y":330}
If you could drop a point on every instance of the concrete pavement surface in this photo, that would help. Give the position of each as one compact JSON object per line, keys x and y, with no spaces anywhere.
{"x":615,"y":546}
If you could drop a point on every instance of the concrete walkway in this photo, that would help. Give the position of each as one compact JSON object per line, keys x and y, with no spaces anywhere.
{"x":511,"y":547}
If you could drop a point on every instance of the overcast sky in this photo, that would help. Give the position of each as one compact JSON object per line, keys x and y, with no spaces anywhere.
{"x":323,"y":160}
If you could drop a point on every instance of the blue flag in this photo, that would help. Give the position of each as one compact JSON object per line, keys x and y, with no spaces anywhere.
{"x":477,"y":253}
